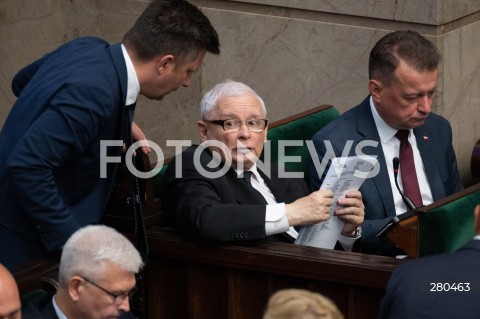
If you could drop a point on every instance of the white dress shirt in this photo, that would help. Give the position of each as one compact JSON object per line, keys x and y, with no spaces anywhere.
{"x":391,"y":149}
{"x":59,"y":312}
{"x":133,"y":86}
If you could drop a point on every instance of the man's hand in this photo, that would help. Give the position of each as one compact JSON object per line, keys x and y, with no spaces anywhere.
{"x":138,"y":135}
{"x":310,"y":209}
{"x":352,"y":212}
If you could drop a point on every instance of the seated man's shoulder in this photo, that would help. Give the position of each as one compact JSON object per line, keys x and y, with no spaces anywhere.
{"x":439,"y":122}
{"x":341,"y":124}
{"x":39,"y":307}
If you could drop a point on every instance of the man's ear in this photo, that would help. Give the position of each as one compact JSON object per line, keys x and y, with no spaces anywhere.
{"x":375,"y":87}
{"x":164,"y":63}
{"x":74,"y":286}
{"x":202,"y":130}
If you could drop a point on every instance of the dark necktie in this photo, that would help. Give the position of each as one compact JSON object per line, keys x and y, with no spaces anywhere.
{"x":407,"y":169}
{"x":247,"y":176}
{"x":136,"y":202}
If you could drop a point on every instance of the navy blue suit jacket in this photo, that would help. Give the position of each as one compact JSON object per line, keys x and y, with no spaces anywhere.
{"x":437,"y":153}
{"x":50,"y":185}
{"x":223,"y":208}
{"x":423,"y":288}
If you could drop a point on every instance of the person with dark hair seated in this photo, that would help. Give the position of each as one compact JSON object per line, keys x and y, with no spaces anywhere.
{"x":395,"y":121}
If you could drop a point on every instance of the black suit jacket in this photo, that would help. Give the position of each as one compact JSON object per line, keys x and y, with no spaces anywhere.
{"x":424,"y":288}
{"x":434,"y":141}
{"x":222,"y":208}
{"x":42,"y":308}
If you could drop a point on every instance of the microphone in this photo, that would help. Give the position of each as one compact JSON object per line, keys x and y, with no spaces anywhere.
{"x":408,"y":202}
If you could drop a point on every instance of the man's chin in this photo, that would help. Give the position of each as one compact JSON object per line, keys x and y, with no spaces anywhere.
{"x":416,"y":123}
{"x":241,"y":163}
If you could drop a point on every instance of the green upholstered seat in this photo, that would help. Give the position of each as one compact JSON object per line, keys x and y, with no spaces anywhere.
{"x":158,"y":180}
{"x":299,"y":128}
{"x":447,"y":227}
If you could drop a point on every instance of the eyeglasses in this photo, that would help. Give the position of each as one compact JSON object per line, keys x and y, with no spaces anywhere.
{"x":232,"y":125}
{"x":118,"y":298}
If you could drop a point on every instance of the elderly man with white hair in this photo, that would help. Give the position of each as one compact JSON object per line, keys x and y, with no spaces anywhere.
{"x":96,"y":277}
{"x":224,"y":195}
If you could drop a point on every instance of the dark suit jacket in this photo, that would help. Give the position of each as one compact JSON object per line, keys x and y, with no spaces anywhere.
{"x":223,"y":208}
{"x":437,"y":154}
{"x":42,"y":308}
{"x":50,"y":185}
{"x":423,"y":288}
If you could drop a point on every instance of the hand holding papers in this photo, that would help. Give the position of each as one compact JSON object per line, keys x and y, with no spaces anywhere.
{"x":345,"y":174}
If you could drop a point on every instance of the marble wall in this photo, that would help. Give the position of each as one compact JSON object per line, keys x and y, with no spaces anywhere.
{"x":294,"y":53}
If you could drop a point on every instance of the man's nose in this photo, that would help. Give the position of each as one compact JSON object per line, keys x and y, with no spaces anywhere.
{"x":244,"y":131}
{"x":186,"y":82}
{"x":125,"y":305}
{"x":425,"y":104}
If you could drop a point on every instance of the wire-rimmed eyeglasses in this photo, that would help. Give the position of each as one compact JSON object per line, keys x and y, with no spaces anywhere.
{"x":118,"y":298}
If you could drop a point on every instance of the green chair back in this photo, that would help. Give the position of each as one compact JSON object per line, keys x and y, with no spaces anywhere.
{"x":448,"y":227}
{"x":300,"y":128}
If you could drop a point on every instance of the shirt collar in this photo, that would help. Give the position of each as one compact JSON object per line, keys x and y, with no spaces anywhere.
{"x":133,"y":86}
{"x":59,"y":312}
{"x":385,"y":131}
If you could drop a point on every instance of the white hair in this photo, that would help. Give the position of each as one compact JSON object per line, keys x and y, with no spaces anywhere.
{"x":223,"y":89}
{"x":87,"y":250}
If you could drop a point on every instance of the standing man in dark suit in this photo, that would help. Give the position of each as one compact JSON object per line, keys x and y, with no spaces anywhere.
{"x":72,"y":100}
{"x":211,"y":200}
{"x":96,"y":278}
{"x":441,"y":286}
{"x":403,"y":71}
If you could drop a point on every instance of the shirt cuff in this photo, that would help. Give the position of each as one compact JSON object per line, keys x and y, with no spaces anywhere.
{"x":347,"y":242}
{"x":276,"y":220}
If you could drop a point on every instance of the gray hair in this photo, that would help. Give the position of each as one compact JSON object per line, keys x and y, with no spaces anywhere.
{"x":223,"y":89}
{"x":87,"y":250}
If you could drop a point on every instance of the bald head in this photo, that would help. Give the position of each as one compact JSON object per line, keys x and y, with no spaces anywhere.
{"x":9,"y":298}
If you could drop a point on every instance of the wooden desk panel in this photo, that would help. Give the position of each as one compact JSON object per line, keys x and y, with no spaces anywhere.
{"x":187,"y":280}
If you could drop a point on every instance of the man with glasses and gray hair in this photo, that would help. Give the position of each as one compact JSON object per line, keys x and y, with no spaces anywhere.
{"x":96,"y":277}
{"x":219,"y":192}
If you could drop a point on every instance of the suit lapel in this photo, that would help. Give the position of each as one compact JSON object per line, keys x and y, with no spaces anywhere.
{"x":277,"y":189}
{"x":121,"y":68}
{"x":243,"y":193}
{"x":368,"y":131}
{"x":426,"y":146}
